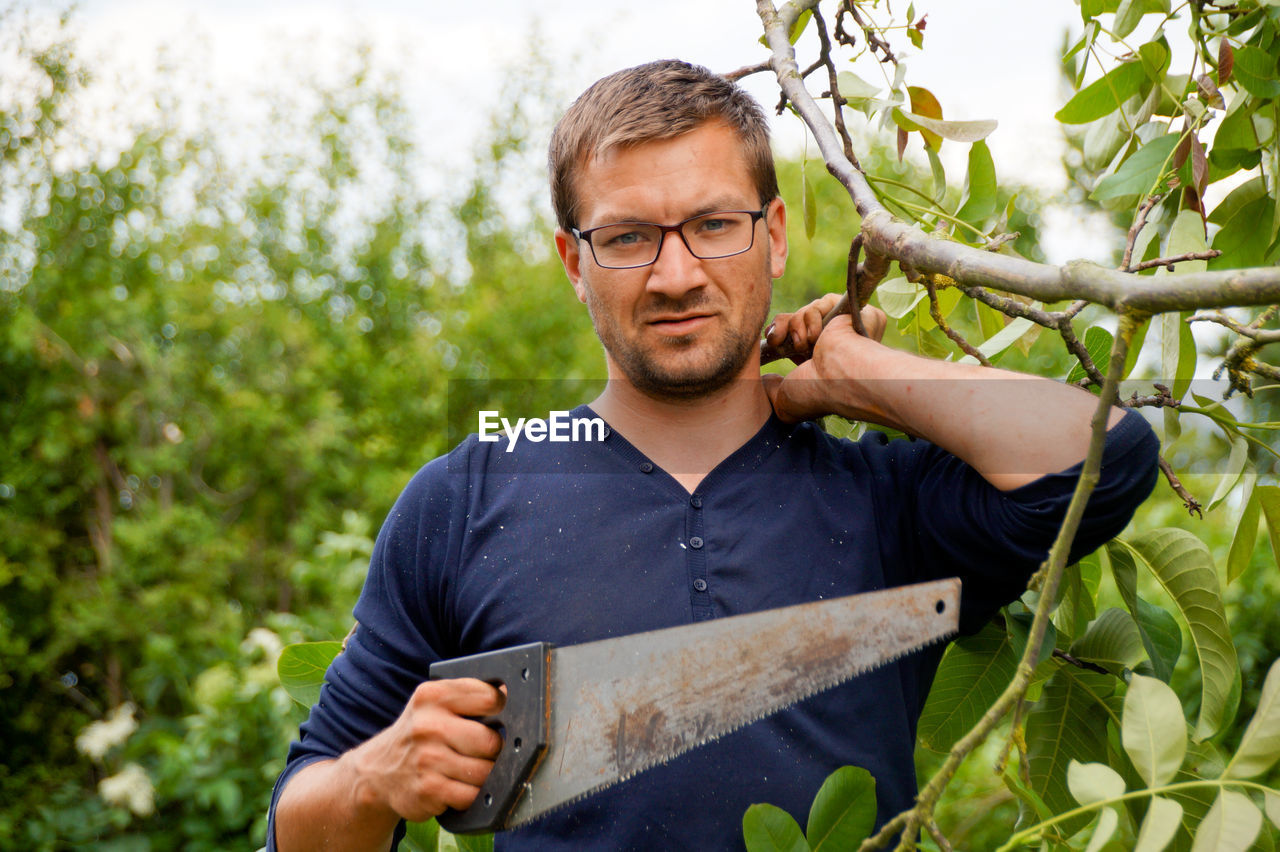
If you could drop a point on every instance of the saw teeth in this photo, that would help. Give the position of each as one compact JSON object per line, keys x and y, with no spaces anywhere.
{"x":658,"y":760}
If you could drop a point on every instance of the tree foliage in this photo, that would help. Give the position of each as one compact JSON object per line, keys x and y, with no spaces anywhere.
{"x":213,"y":381}
{"x":1095,"y":736}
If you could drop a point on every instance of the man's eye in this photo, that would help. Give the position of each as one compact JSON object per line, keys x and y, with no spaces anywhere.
{"x":714,"y":226}
{"x":625,"y":239}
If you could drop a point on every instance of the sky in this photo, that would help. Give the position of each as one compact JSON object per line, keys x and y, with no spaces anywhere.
{"x":982,"y":58}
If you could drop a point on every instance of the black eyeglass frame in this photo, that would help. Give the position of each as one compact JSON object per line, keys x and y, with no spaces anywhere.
{"x":756,"y":216}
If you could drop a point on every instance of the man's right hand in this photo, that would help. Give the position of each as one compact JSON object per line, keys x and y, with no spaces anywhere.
{"x":431,"y":758}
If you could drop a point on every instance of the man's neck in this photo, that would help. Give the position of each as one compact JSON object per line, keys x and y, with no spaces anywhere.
{"x":686,"y":438}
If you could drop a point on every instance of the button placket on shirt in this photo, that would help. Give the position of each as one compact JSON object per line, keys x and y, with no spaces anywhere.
{"x":696,"y":548}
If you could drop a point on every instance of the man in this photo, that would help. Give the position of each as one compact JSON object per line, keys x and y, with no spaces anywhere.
{"x":704,"y":500}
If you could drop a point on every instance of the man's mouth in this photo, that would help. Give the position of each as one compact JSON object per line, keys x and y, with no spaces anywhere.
{"x":680,"y":323}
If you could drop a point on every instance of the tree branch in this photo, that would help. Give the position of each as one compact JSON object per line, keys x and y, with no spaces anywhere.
{"x":885,"y":235}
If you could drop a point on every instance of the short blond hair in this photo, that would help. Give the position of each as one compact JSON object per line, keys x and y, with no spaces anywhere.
{"x":658,"y":100}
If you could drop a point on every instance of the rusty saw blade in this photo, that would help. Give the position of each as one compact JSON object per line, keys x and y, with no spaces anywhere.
{"x":583,"y":717}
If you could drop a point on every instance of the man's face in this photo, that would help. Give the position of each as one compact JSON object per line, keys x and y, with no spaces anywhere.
{"x":682,"y":327}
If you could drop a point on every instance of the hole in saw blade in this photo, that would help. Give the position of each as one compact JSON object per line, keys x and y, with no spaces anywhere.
{"x":940,"y":606}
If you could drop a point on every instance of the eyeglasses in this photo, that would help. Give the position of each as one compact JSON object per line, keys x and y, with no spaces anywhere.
{"x":628,"y":245}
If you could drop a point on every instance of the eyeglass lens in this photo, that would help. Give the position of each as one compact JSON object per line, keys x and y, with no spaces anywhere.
{"x":636,"y":244}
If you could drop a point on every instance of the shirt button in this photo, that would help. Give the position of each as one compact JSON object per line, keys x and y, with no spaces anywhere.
{"x":696,"y":542}
{"x":695,"y":501}
{"x":699,"y":585}
{"x":646,"y":467}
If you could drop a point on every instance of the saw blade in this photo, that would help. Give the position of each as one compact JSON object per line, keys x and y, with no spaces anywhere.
{"x":623,"y":705}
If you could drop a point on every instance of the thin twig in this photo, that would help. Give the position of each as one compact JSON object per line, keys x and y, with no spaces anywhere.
{"x":1251,"y":331}
{"x":1078,"y":349}
{"x":1168,"y":262}
{"x":935,"y":311}
{"x":1139,"y":222}
{"x":938,"y":837}
{"x":1192,"y":504}
{"x":748,"y":70}
{"x":837,"y":100}
{"x":1079,"y":663}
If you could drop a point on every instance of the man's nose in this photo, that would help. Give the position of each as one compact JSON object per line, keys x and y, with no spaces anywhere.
{"x":676,"y":270}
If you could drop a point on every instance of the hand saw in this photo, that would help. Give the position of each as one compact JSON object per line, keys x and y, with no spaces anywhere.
{"x":580,"y":718}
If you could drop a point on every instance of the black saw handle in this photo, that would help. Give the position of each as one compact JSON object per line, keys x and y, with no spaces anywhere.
{"x":525,"y":670}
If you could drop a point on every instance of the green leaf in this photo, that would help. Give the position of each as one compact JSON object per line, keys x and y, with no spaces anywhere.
{"x":1231,"y":825}
{"x":1246,"y":537}
{"x":1104,"y":95}
{"x":958,"y":131}
{"x":1182,"y":564}
{"x":1154,"y":56}
{"x":1242,"y":243}
{"x":897,"y":296}
{"x":1269,"y":498}
{"x":1260,"y":746}
{"x":1237,"y":200}
{"x":768,"y":828}
{"x":844,"y":811}
{"x":1161,"y":637}
{"x":1235,"y":143}
{"x":1186,"y":235}
{"x":1135,"y":347}
{"x":939,"y":174}
{"x":981,"y":203}
{"x":1018,"y":623}
{"x":1093,"y":782}
{"x":1256,"y":71}
{"x":1153,"y":730}
{"x":1098,"y":341}
{"x":1177,"y":351}
{"x":1076,"y":595}
{"x":1104,"y":139}
{"x":1159,"y":826}
{"x":1273,"y":806}
{"x":1108,"y":819}
{"x":474,"y":842}
{"x":1140,"y":174}
{"x":855,"y":90}
{"x":302,"y":666}
{"x":1232,"y":472}
{"x":422,"y":836}
{"x":1112,"y":639}
{"x":1068,"y":723}
{"x":797,"y":28}
{"x":973,"y":673}
{"x":1009,"y":335}
{"x":1128,"y":15}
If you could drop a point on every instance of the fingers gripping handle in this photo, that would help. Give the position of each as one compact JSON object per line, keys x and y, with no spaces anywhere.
{"x":525,"y":671}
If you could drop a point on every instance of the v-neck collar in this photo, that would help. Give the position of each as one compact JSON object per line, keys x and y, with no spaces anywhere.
{"x":767,"y":439}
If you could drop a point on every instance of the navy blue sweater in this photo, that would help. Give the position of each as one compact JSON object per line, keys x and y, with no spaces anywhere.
{"x":573,"y":542}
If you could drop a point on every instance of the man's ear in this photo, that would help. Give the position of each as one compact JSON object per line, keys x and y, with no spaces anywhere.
{"x":777,"y":238}
{"x":570,"y":258}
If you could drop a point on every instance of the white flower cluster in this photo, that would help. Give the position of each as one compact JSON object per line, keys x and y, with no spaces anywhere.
{"x":98,"y":738}
{"x":131,"y":788}
{"x":264,"y":640}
